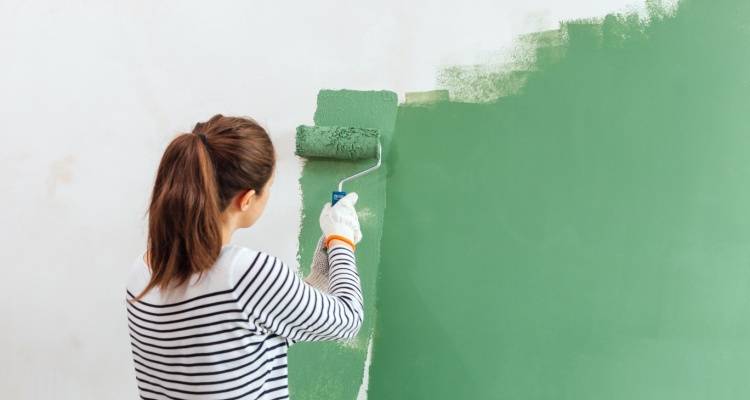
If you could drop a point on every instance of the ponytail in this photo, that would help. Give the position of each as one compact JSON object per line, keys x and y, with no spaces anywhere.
{"x":196,"y":179}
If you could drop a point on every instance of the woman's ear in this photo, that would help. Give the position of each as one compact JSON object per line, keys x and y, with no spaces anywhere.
{"x":246,"y":199}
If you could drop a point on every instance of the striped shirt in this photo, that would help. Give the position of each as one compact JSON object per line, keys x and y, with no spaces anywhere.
{"x":225,"y":336}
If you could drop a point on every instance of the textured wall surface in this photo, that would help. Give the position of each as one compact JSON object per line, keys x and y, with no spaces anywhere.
{"x":332,"y":370}
{"x":92,"y":92}
{"x":585,"y":236}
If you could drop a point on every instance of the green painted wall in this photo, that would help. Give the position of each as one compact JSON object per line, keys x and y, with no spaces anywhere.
{"x":586,"y":236}
{"x":331,"y":370}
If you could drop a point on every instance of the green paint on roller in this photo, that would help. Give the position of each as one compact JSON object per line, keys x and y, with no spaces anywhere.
{"x":584,"y":237}
{"x":329,"y":370}
{"x":337,"y":142}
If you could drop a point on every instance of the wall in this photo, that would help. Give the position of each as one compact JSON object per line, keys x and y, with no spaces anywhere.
{"x":345,"y":362}
{"x":585,"y":236}
{"x":91,"y":93}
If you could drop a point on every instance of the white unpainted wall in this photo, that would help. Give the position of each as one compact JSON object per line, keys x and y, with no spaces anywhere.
{"x":92,"y":91}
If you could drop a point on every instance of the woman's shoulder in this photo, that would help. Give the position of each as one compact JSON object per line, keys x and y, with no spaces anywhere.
{"x":243,"y":257}
{"x":138,"y":274}
{"x":234,"y":263}
{"x":237,"y":254}
{"x":244,"y":262}
{"x":246,"y":258}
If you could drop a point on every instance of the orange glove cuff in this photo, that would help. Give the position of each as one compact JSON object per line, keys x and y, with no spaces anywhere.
{"x":341,"y":238}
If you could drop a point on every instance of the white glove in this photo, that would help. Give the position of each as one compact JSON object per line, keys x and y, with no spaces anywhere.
{"x":341,"y":219}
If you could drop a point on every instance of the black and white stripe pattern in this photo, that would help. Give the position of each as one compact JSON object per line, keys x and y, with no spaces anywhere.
{"x":232,"y":343}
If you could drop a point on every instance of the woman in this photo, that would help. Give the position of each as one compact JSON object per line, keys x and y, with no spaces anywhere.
{"x":212,"y":320}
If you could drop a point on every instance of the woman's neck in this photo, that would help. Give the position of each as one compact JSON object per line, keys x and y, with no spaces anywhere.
{"x":228,"y":226}
{"x":226,"y":234}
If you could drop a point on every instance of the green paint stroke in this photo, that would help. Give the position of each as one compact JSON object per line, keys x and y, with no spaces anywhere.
{"x":432,"y":96}
{"x":489,"y":81}
{"x":586,"y":236}
{"x":332,"y":370}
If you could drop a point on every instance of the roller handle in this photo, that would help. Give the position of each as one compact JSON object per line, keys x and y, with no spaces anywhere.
{"x":336,"y":197}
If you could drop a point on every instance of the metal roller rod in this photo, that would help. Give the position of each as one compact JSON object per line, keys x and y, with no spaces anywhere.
{"x":358,"y":174}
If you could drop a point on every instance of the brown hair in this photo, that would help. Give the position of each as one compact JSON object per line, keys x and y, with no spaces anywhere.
{"x":199,"y":174}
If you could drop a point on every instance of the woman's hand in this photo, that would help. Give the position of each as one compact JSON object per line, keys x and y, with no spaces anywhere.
{"x":341,"y":219}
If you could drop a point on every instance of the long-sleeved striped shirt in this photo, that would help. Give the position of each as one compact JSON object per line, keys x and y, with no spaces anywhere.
{"x":226,"y":335}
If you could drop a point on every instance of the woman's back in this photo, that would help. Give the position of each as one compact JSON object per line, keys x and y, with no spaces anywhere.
{"x":209,"y":320}
{"x":226,"y":335}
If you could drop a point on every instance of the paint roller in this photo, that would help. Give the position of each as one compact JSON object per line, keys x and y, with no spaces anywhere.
{"x":339,"y":143}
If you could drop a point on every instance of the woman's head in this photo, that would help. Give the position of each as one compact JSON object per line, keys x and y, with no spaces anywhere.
{"x":209,"y":182}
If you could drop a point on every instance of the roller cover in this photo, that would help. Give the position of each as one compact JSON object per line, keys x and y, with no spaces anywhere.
{"x":337,"y":142}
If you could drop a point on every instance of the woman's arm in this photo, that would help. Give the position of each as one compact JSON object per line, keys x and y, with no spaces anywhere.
{"x":285,"y":304}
